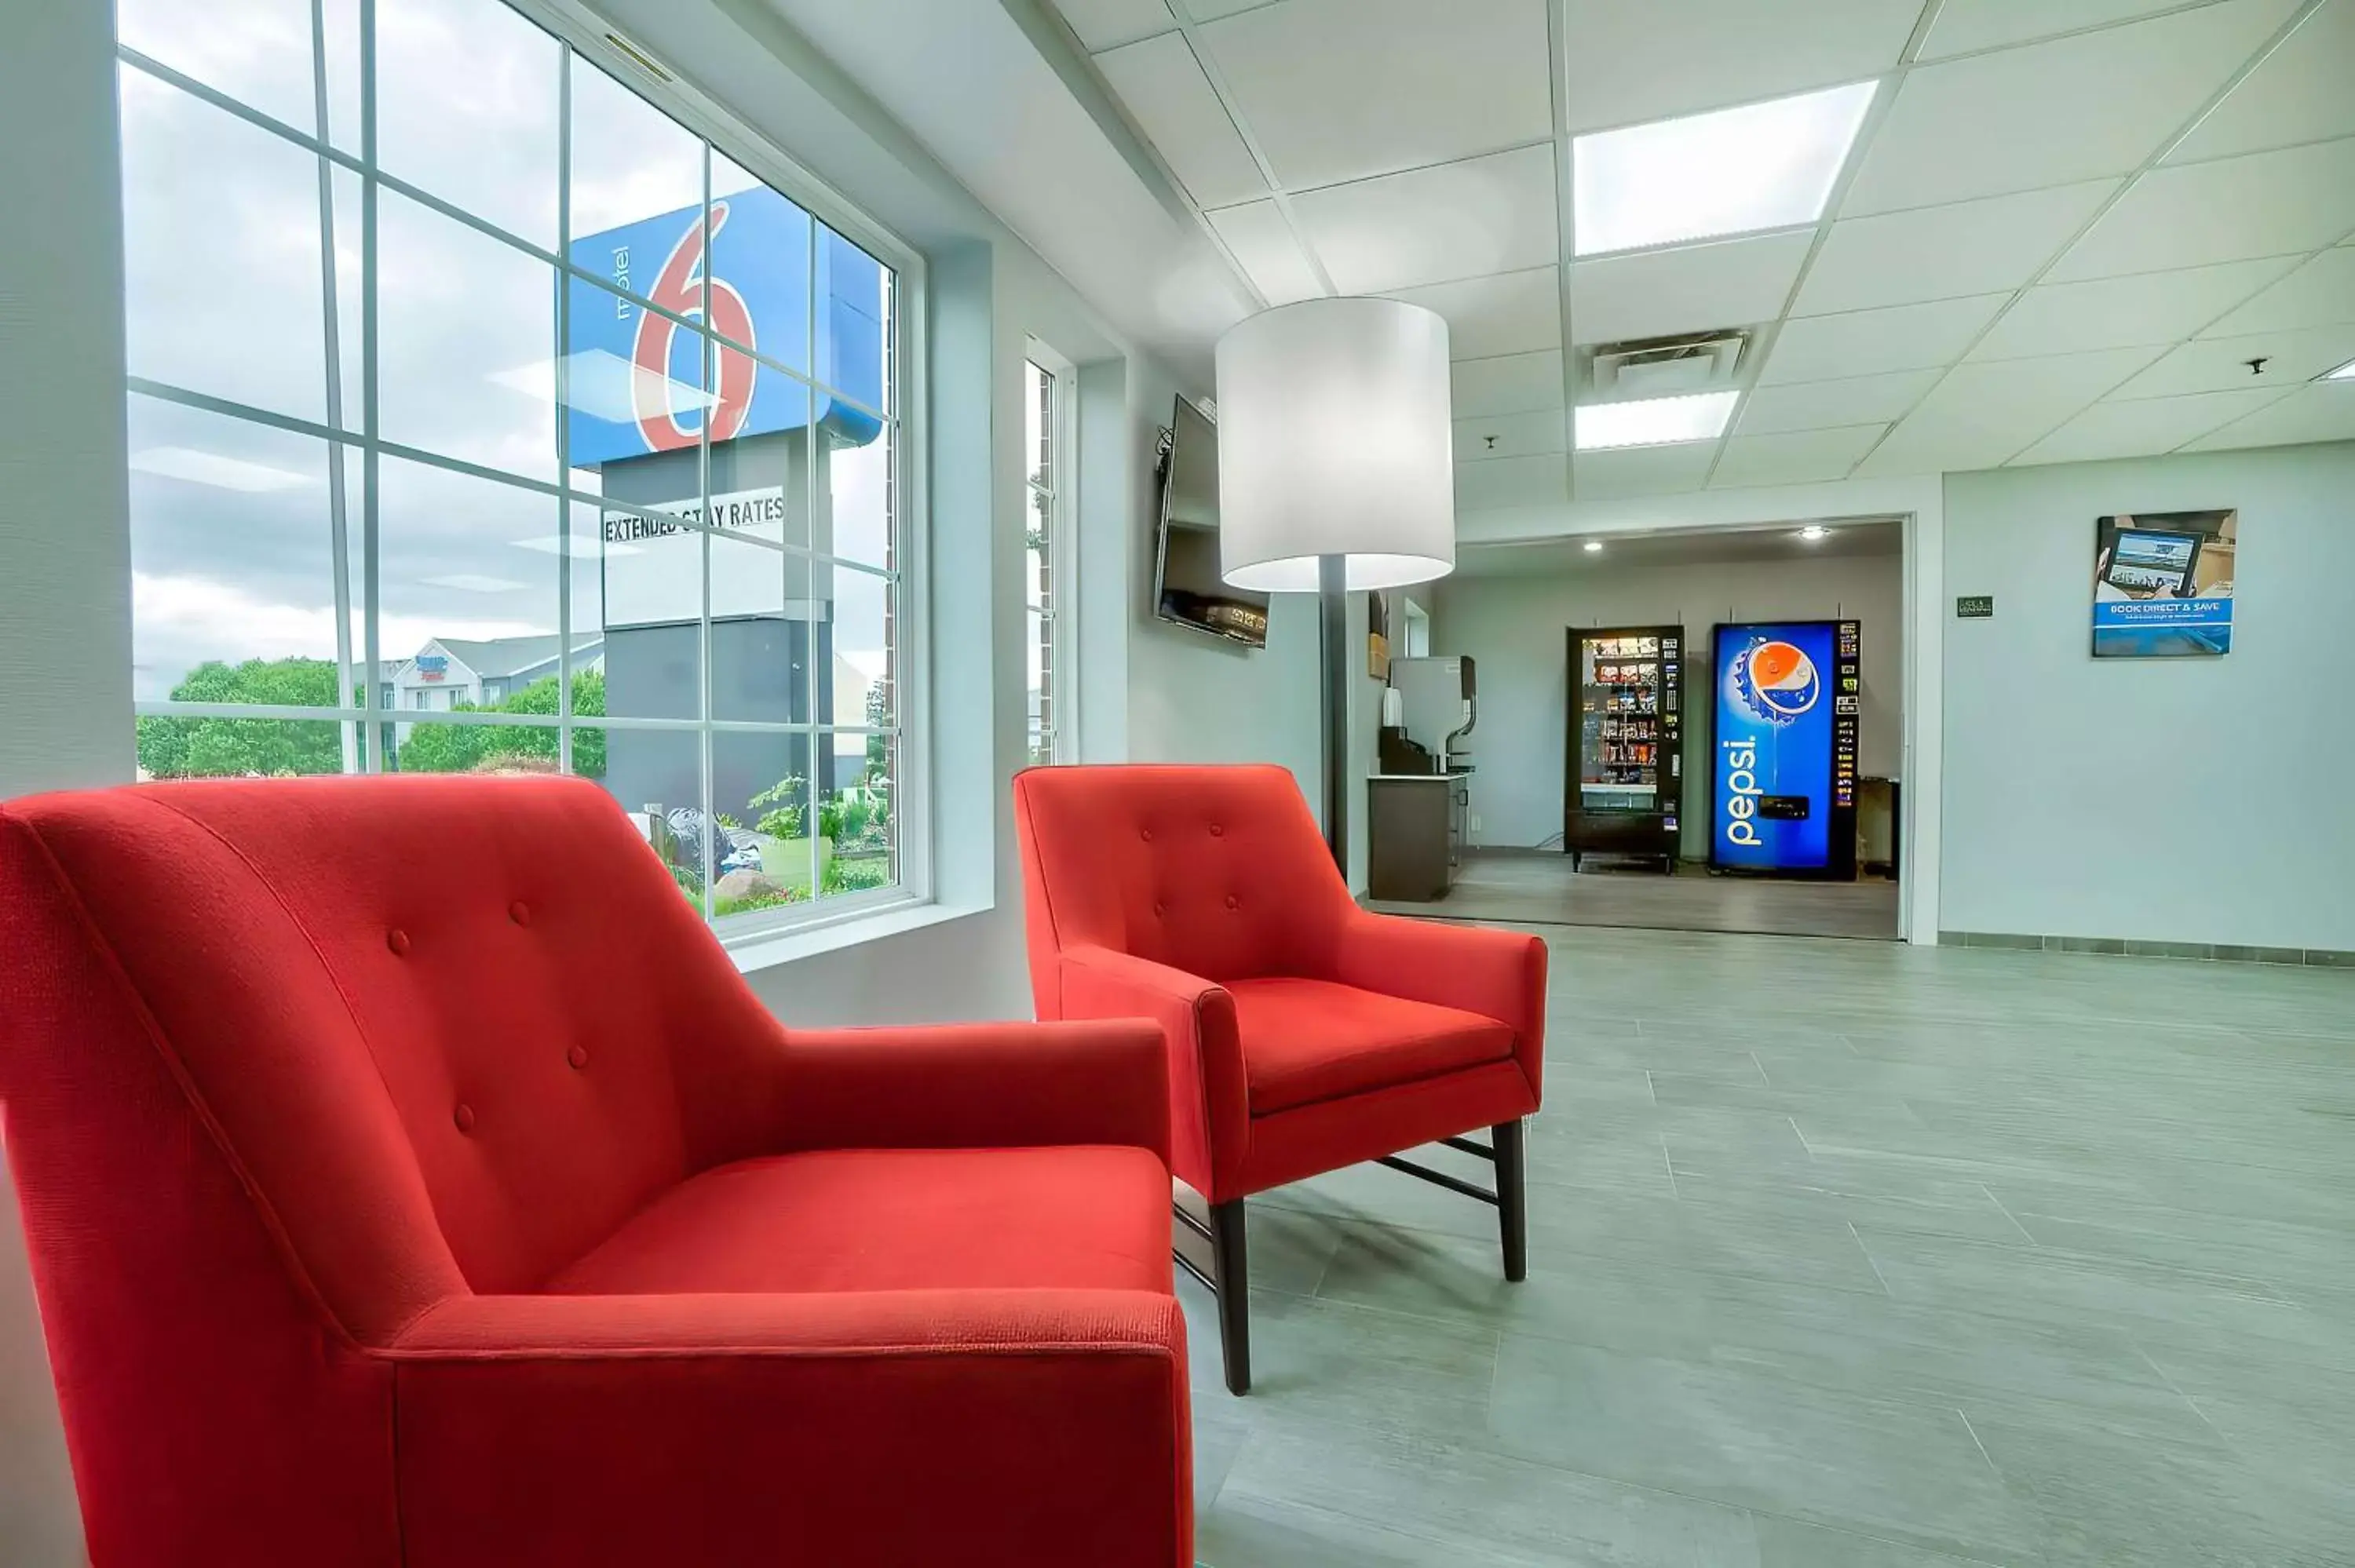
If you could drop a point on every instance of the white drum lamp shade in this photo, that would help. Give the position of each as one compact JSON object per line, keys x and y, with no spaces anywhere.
{"x":1335,"y":438}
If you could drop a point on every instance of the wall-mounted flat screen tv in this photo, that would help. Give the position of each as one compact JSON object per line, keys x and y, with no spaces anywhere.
{"x":1187,"y":587}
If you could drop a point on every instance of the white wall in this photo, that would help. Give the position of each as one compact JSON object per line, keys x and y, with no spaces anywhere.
{"x":1111,"y":531}
{"x":2175,"y":800}
{"x":65,"y":608}
{"x":1515,"y":627}
{"x":65,"y":541}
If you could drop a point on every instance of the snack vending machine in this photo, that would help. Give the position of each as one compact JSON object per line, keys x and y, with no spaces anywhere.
{"x":1783,"y":765}
{"x":1625,"y":793}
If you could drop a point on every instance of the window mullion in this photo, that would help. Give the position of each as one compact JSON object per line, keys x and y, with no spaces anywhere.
{"x":330,"y":309}
{"x":706,"y":358}
{"x":562,"y":359}
{"x":371,"y":572}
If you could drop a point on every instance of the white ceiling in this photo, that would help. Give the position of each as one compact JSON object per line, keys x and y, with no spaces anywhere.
{"x":2066,"y":226}
{"x":1681,"y":547}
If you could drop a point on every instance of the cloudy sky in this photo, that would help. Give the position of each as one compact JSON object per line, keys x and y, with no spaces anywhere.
{"x":231,"y":535}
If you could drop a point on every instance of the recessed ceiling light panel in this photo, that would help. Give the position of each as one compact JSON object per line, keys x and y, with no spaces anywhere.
{"x":1733,"y":171}
{"x":1655,"y":421}
{"x":2344,"y":373}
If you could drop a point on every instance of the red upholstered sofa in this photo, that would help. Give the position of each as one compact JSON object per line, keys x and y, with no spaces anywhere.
{"x":410,"y":1180}
{"x":1305,"y":1033}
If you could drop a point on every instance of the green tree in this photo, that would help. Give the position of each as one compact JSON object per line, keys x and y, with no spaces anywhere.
{"x":463,"y":747}
{"x":177,"y":747}
{"x":171,"y":747}
{"x":879,"y":746}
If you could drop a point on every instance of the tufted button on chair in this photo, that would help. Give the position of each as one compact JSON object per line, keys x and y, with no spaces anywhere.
{"x":1304,"y":1034}
{"x":410,"y":1178}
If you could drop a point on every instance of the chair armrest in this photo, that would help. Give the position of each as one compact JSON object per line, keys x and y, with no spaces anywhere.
{"x":978,"y":1085}
{"x":1499,"y":974}
{"x":1210,"y":1098}
{"x":999,"y":1426}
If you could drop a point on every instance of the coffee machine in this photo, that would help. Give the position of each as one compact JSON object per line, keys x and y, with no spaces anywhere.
{"x":1439,"y":703}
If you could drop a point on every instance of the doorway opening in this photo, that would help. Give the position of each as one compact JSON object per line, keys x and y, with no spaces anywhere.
{"x":1694,"y":729}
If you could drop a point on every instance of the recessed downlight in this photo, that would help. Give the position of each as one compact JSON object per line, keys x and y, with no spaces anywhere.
{"x":1813,"y":532}
{"x":1594,"y":546}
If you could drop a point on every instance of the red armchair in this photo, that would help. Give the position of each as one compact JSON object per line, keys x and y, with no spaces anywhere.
{"x":1305,"y":1033}
{"x":410,"y":1180}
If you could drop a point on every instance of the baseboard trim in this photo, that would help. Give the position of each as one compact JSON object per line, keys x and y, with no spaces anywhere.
{"x":2128,"y":948}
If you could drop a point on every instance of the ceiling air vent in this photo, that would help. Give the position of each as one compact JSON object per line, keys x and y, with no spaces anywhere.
{"x":1664,"y":366}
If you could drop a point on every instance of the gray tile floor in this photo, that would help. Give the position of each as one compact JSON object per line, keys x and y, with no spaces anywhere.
{"x":1539,"y":887}
{"x":1842,"y":1256}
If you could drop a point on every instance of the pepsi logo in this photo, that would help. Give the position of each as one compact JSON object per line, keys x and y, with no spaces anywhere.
{"x":1777,"y":681}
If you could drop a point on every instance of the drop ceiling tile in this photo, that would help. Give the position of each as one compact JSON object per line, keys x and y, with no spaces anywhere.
{"x":1161,"y":84}
{"x":1981,"y":415}
{"x":1630,"y":63}
{"x":1211,"y":10}
{"x":2021,"y":119}
{"x":2120,"y":312}
{"x":2143,"y":427}
{"x":1827,"y":404}
{"x":1107,"y":24}
{"x":1171,"y":100}
{"x":1693,"y":288}
{"x":1512,"y":435}
{"x":1869,"y":343}
{"x":1262,"y":243}
{"x":1641,"y":471}
{"x":1944,"y":252}
{"x":1965,"y":26}
{"x":2266,"y":204}
{"x":1468,"y":219}
{"x":1511,"y":383}
{"x":1797,"y":457}
{"x":1514,"y":313}
{"x":2221,"y":364}
{"x":2299,"y":94}
{"x":2325,"y":412}
{"x":1344,"y":89}
{"x":1512,"y":481}
{"x":2318,"y":293}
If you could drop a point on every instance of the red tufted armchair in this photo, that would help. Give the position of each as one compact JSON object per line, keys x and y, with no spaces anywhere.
{"x":412,"y":1181}
{"x":1305,"y":1033}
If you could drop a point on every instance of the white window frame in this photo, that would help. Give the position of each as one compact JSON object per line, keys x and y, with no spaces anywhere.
{"x":591,"y":37}
{"x":1062,"y":492}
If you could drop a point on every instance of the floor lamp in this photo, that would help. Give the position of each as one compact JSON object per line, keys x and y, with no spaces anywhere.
{"x":1336,"y":474}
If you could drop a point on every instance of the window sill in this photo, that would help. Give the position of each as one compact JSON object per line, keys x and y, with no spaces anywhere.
{"x":761,"y":950}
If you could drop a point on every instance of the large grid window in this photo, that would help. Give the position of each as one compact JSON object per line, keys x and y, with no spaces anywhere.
{"x":1047,"y":412}
{"x":487,"y":418}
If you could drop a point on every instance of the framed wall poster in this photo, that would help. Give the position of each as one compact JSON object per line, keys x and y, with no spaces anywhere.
{"x":2163,"y":584}
{"x":1378,"y":635}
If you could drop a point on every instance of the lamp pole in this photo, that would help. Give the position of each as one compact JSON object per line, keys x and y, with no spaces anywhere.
{"x":1333,"y":602}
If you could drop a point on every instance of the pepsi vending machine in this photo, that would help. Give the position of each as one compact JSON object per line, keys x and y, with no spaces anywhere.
{"x":1782,"y":774}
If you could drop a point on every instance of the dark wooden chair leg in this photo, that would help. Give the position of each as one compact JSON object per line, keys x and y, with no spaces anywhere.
{"x":1230,"y":1256}
{"x":1512,"y":1201}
